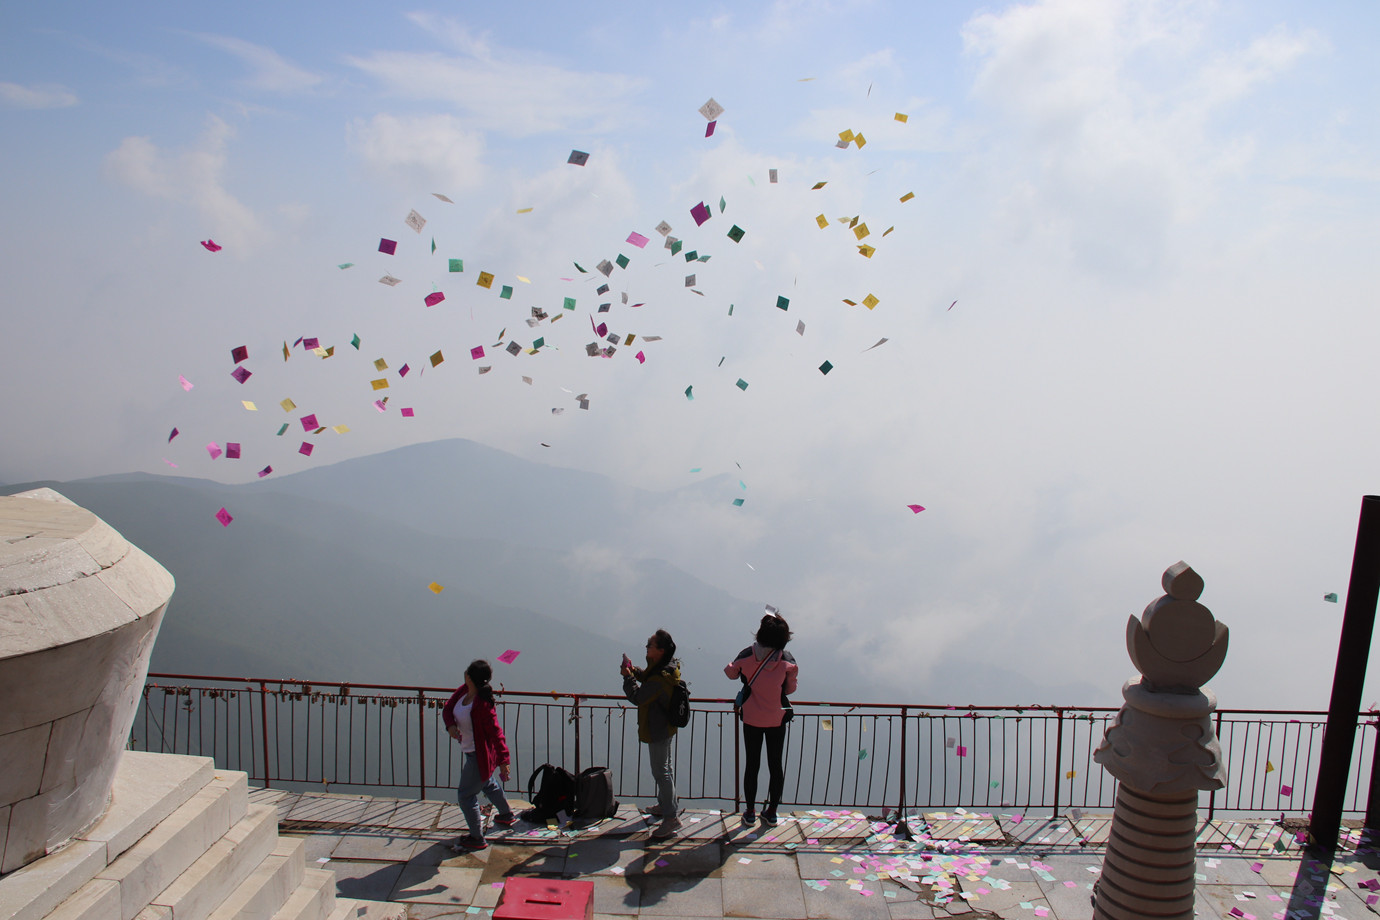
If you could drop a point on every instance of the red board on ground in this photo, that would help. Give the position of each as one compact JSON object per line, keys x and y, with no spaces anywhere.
{"x":545,"y":899}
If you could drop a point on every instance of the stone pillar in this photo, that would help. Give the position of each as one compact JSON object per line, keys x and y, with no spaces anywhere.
{"x":1162,"y":750}
{"x":79,"y":611}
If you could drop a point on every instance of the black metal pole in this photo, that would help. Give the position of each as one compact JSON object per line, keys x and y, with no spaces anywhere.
{"x":1373,"y":796}
{"x":1353,"y":652}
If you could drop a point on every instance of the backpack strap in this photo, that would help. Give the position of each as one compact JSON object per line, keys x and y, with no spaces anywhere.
{"x":532,"y":780}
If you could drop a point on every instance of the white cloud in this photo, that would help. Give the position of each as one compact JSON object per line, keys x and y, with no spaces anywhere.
{"x":503,"y":90}
{"x":431,"y":147}
{"x":268,"y":70}
{"x":41,"y":96}
{"x":193,"y":176}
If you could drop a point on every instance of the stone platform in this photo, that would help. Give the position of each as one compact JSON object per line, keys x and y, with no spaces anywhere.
{"x":824,"y":863}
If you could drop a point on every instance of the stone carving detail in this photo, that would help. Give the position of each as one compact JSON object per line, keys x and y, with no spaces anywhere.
{"x":1162,"y":749}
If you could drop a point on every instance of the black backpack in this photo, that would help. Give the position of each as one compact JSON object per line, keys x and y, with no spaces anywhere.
{"x":678,"y":713}
{"x":594,"y":799}
{"x":556,"y":793}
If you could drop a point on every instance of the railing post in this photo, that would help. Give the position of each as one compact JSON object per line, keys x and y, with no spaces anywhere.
{"x":1212,"y":796}
{"x":421,"y":741}
{"x":1058,"y":756}
{"x":902,"y":826}
{"x":263,"y":714}
{"x":737,"y":768}
{"x":575,"y":717}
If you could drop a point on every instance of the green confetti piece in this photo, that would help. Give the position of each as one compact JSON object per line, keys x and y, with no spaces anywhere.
{"x":730,"y":309}
{"x":355,"y":342}
{"x":433,"y":245}
{"x":826,"y":367}
{"x":742,"y":384}
{"x":722,"y":204}
{"x":539,"y":342}
{"x":507,"y":292}
{"x":862,"y":754}
{"x":702,"y":259}
{"x":622,"y":260}
{"x":736,"y":234}
{"x":697,"y":469}
{"x":457,"y":265}
{"x":570,"y":303}
{"x":738,"y":502}
{"x":782,"y":303}
{"x":675,"y":247}
{"x":691,"y":256}
{"x":580,"y":267}
{"x":283,"y":429}
{"x":344,"y":265}
{"x":690,"y":395}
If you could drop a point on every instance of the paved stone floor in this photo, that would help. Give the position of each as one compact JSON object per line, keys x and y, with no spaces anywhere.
{"x":828,"y":864}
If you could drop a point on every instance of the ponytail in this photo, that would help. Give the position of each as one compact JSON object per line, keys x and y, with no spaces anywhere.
{"x":480,"y":673}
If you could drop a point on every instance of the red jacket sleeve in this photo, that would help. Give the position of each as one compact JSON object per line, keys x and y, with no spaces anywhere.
{"x":486,"y":726}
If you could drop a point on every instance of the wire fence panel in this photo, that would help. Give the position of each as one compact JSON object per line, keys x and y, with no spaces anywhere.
{"x":889,"y":757}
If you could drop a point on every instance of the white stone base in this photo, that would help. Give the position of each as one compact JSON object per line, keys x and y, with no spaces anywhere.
{"x":179,"y":839}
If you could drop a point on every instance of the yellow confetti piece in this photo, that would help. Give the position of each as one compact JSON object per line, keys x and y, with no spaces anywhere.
{"x":288,"y":405}
{"x":902,"y":117}
{"x":380,"y":384}
{"x":436,"y":588}
{"x":860,"y":141}
{"x":319,"y":352}
{"x":866,"y":251}
{"x":851,"y":303}
{"x":846,"y":136}
{"x":870,"y":301}
{"x":524,"y":210}
{"x":286,"y":354}
{"x":861,"y":231}
{"x":436,"y":359}
{"x":822,"y":221}
{"x":486,"y":280}
{"x":907,"y":196}
{"x":340,"y":429}
{"x":1269,"y":767}
{"x":380,"y":365}
{"x":524,"y":280}
{"x":1071,"y":774}
{"x":818,"y":185}
{"x":852,"y":221}
{"x":249,"y":405}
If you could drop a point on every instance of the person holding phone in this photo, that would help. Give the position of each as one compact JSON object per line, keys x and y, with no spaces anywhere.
{"x":650,"y":690}
{"x":768,"y":673}
{"x":471,"y":719}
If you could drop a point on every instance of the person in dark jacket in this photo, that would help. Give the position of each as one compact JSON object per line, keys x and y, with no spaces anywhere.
{"x":650,"y":689}
{"x":772,"y":672}
{"x":471,"y":719}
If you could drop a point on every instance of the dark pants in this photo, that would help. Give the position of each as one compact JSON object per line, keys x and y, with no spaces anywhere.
{"x":776,"y":773}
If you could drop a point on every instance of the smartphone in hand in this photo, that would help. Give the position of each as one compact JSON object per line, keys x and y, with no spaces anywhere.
{"x":627,"y":662}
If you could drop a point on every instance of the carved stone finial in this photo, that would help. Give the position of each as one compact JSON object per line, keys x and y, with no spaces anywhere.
{"x":1176,"y":643}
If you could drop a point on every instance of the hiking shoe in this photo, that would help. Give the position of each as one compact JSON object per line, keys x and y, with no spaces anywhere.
{"x":507,"y":820}
{"x":769,"y":819}
{"x":749,"y":818}
{"x":470,"y":843}
{"x":666,"y":828}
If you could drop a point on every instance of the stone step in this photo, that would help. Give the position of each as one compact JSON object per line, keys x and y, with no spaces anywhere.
{"x":261,"y":895}
{"x":314,"y":899}
{"x":200,"y":889}
{"x":152,"y":864}
{"x":368,"y":910}
{"x":98,"y":899}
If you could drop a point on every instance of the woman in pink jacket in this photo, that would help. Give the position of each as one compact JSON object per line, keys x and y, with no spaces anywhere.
{"x":471,"y":719}
{"x":771,"y":671}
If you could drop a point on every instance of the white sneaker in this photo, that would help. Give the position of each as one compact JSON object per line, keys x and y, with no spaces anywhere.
{"x":666,"y":828}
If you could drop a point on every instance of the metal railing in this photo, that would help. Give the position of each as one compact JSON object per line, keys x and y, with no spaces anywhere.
{"x":896,"y":758}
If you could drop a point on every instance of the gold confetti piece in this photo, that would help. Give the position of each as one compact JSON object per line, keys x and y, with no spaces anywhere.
{"x":870,"y":301}
{"x":524,"y":210}
{"x":1071,"y":774}
{"x":846,"y":135}
{"x":380,"y":365}
{"x":380,"y":384}
{"x":851,"y":303}
{"x":437,"y":359}
{"x":866,"y":250}
{"x":852,"y":221}
{"x":249,"y":405}
{"x":907,"y":196}
{"x":818,"y":185}
{"x":822,"y":221}
{"x":860,"y":141}
{"x":288,"y":405}
{"x":286,"y":354}
{"x":486,"y":280}
{"x":436,"y":588}
{"x":1269,"y":767}
{"x":340,"y":429}
{"x":861,"y":231}
{"x":888,"y":230}
{"x":902,"y":117}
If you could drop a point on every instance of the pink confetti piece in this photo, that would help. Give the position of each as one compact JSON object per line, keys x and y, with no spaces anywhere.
{"x":388,"y":247}
{"x":403,"y":371}
{"x":509,"y":656}
{"x":637,"y":240}
{"x":380,"y":405}
{"x":232,"y":450}
{"x":407,"y":413}
{"x":173,"y":435}
{"x":211,"y":245}
{"x":962,"y":751}
{"x":306,"y":449}
{"x":310,"y":344}
{"x":224,"y":517}
{"x":1372,"y":898}
{"x":239,"y":353}
{"x":1070,"y":884}
{"x":265,"y":471}
{"x":169,"y":463}
{"x":213,"y":449}
{"x":434,"y":298}
{"x":186,"y":384}
{"x":1256,"y":867}
{"x":641,"y":357}
{"x":241,"y":374}
{"x":477,"y":352}
{"x":1237,"y":912}
{"x":916,"y":508}
{"x":700,"y":213}
{"x":1286,"y":790}
{"x":601,"y":330}
{"x":309,"y":422}
{"x":709,"y":129}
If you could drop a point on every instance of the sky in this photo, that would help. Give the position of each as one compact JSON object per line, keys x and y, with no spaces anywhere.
{"x":1128,"y":307}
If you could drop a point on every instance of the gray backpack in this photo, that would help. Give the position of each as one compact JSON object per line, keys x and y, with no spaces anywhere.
{"x":594,"y":799}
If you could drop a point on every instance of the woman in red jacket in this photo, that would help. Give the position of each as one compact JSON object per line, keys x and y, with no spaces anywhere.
{"x":471,"y":719}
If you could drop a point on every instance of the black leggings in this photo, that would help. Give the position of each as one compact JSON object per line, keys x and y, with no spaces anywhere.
{"x":776,"y":783}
